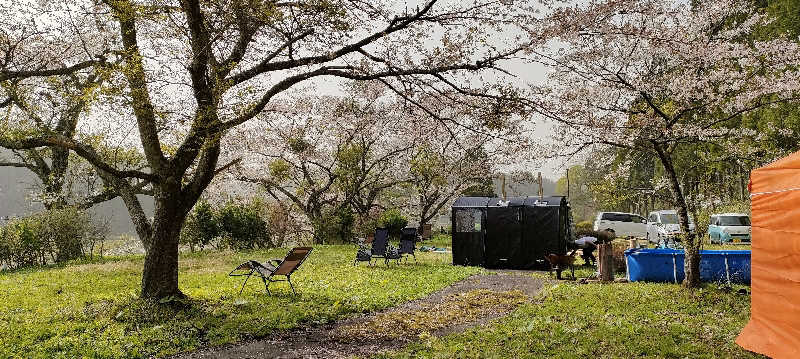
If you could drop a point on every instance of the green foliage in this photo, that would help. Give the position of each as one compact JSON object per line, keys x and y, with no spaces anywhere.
{"x":335,"y":226}
{"x":350,"y":175}
{"x":581,"y":199}
{"x":427,"y":168}
{"x":483,"y":187}
{"x":608,"y":321}
{"x":394,"y":220}
{"x":201,"y":227}
{"x":53,"y":236}
{"x":366,"y":226}
{"x":584,"y":226}
{"x":783,"y":14}
{"x":298,"y":145}
{"x":279,"y":170}
{"x":92,"y":310}
{"x":234,"y":225}
{"x":242,"y":227}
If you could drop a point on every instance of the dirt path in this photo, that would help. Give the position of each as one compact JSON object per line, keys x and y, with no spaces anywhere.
{"x":472,"y":301}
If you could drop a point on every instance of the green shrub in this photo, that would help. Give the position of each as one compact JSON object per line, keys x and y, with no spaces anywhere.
{"x":53,"y":236}
{"x":65,"y":229}
{"x":394,"y":220}
{"x":335,"y":226}
{"x":237,"y":226}
{"x":242,"y":227}
{"x":366,"y":226}
{"x":584,"y":226}
{"x":200,"y":228}
{"x":23,"y":246}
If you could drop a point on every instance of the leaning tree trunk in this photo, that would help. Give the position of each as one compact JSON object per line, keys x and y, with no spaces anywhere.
{"x":691,"y":266}
{"x":160,"y":274}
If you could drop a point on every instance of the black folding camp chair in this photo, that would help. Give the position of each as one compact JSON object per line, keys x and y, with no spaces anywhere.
{"x":408,"y":238}
{"x":274,"y":267}
{"x":378,"y":250}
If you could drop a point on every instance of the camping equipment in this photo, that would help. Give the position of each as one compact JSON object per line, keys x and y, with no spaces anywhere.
{"x":407,"y":239}
{"x":380,"y":244}
{"x":516,"y":234}
{"x":774,"y":327}
{"x":274,"y":267}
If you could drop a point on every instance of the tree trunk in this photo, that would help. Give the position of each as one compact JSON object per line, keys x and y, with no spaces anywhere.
{"x":691,"y":265}
{"x":160,"y":274}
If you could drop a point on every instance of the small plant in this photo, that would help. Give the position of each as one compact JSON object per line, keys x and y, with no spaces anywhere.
{"x":335,"y":226}
{"x":394,"y":220}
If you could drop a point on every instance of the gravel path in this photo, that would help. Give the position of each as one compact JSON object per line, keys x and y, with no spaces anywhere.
{"x":325,"y":342}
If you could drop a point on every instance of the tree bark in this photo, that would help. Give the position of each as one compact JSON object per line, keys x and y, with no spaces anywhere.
{"x":160,"y":273}
{"x":691,"y":266}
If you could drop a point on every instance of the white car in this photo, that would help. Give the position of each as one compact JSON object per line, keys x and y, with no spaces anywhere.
{"x":729,"y":228}
{"x":664,"y":225}
{"x":623,"y":224}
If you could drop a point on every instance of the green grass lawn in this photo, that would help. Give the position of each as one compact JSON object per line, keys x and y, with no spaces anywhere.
{"x":726,"y":246}
{"x":605,"y":321}
{"x":92,"y":310}
{"x":622,"y":320}
{"x":439,"y":240}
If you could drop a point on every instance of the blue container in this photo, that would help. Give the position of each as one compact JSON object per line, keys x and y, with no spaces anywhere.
{"x":666,"y":265}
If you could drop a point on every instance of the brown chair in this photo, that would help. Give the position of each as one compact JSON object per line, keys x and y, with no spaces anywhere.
{"x":274,"y":267}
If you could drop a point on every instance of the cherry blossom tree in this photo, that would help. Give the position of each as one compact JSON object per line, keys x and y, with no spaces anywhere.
{"x":652,"y":77}
{"x":442,"y":170}
{"x":56,"y":106}
{"x":193,"y":71}
{"x":326,"y":155}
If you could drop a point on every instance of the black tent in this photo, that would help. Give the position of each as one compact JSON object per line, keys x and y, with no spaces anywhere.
{"x":516,"y":233}
{"x":503,"y":235}
{"x":468,"y":218}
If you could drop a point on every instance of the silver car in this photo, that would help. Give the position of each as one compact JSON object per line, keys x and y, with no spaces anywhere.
{"x":664,"y":225}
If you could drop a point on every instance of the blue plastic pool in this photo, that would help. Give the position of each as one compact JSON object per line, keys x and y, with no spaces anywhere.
{"x":666,"y":265}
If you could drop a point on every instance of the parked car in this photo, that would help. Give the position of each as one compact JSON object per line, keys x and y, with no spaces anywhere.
{"x":663,"y":225}
{"x":623,"y":224}
{"x":729,"y":228}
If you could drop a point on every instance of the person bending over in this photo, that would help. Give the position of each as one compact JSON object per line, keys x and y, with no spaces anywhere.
{"x":587,"y":244}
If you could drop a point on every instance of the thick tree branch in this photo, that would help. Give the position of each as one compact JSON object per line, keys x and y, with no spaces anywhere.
{"x":134,"y":71}
{"x":265,"y":65}
{"x":87,"y":152}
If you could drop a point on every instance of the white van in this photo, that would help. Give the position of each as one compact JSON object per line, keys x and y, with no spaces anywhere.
{"x":664,"y":225}
{"x":623,"y":224}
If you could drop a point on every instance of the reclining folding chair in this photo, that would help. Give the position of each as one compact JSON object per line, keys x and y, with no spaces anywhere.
{"x":379,"y":246}
{"x":407,"y":243}
{"x":273,"y":267}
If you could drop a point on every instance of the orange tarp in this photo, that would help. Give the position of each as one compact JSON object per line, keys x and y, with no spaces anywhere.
{"x":774,"y":327}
